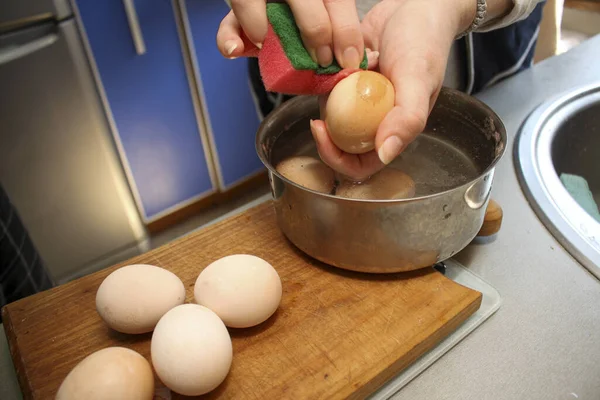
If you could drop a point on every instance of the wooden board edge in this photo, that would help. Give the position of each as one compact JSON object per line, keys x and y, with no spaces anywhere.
{"x":18,"y":362}
{"x":422,"y":348}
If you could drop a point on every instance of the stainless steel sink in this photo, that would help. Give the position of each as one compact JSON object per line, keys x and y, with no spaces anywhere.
{"x":562,"y":135}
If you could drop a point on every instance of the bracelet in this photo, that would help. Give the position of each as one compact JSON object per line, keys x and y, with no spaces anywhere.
{"x":479,"y":17}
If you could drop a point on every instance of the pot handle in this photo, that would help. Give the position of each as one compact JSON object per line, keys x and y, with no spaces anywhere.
{"x":492,"y":221}
{"x":479,"y":192}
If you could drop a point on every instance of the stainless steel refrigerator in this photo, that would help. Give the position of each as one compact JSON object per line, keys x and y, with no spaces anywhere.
{"x":58,"y":162}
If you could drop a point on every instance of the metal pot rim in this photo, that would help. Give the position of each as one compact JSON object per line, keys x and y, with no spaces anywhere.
{"x":292,"y":102}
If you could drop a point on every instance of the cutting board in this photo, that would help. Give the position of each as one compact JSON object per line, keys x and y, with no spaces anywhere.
{"x":336,"y":334}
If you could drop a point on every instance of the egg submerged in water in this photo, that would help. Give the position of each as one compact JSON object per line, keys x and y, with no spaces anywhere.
{"x":355,"y":108}
{"x":387,"y":184}
{"x":113,"y":373}
{"x":308,"y":172}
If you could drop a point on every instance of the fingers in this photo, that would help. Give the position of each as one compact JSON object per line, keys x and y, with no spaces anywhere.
{"x":356,"y":167}
{"x":372,"y":59}
{"x":375,"y":22}
{"x":347,"y":36}
{"x":229,"y":39}
{"x":315,"y":27}
{"x":406,"y":120}
{"x":323,"y":106}
{"x":252,"y":17}
{"x":329,"y":28}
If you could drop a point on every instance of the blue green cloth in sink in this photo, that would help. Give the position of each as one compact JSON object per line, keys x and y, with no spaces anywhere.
{"x":578,"y":188}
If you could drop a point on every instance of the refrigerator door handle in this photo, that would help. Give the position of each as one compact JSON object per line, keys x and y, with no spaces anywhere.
{"x":20,"y":44}
{"x":134,"y":27}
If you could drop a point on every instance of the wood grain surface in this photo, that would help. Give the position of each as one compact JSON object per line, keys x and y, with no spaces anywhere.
{"x":492,"y":220}
{"x":336,"y":334}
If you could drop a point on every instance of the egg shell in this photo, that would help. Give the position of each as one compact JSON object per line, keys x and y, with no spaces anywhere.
{"x":308,"y":172}
{"x":387,"y":184}
{"x":133,"y":298}
{"x":242,"y":289}
{"x":113,"y":373}
{"x":191,"y":350}
{"x":355,"y":108}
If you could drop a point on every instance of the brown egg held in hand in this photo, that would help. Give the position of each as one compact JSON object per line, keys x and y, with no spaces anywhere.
{"x":308,"y":172}
{"x":355,"y":108}
{"x":109,"y":374}
{"x":387,"y":184}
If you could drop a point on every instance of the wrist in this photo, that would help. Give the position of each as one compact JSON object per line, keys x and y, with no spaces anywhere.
{"x":451,"y":17}
{"x":468,"y":11}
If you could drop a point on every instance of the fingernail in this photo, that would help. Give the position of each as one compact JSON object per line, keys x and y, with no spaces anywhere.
{"x":373,"y":58}
{"x":313,"y":55}
{"x":313,"y":130}
{"x":259,"y":45}
{"x":390,"y":149}
{"x":351,"y":59}
{"x":230,"y":47}
{"x":324,"y":56}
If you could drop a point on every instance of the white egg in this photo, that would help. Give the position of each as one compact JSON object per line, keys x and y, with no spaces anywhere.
{"x":133,"y":298}
{"x":113,"y":373}
{"x":243,"y":290}
{"x":191,"y":350}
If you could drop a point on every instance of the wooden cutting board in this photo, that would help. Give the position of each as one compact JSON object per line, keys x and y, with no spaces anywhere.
{"x":336,"y":334}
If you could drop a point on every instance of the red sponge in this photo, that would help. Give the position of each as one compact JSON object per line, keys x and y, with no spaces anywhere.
{"x":291,"y":72}
{"x":279,"y":75}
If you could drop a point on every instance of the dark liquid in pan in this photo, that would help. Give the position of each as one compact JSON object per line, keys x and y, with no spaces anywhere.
{"x":434,"y":164}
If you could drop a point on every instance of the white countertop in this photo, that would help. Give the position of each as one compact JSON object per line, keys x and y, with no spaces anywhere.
{"x":544,"y":342}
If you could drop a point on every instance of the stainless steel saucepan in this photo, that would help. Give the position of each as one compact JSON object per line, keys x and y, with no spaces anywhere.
{"x":452,"y":163}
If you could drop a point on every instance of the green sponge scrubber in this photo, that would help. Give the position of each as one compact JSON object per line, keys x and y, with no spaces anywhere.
{"x":282,"y":20}
{"x":579,"y":189}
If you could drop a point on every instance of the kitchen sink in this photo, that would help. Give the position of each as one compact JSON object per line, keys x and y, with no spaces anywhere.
{"x":562,"y":136}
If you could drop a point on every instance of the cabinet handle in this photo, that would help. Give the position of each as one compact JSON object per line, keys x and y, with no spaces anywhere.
{"x":134,"y":27}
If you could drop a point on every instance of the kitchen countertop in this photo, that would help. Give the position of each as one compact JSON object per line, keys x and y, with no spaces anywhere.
{"x":543,"y":342}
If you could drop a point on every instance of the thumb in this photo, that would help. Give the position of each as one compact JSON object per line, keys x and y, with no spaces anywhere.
{"x":414,"y":100}
{"x":414,"y":51}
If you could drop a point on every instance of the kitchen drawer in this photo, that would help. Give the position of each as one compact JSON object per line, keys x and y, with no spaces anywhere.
{"x":230,"y":111}
{"x":149,"y":101}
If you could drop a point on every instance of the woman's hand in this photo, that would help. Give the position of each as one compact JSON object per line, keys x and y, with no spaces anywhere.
{"x":413,"y":38}
{"x":328,"y":28}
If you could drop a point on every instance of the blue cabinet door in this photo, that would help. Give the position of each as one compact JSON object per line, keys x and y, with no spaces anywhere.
{"x":232,"y":114}
{"x":150,"y":100}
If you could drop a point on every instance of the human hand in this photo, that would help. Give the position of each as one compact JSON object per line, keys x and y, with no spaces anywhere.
{"x":413,"y":38}
{"x":327,"y":27}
